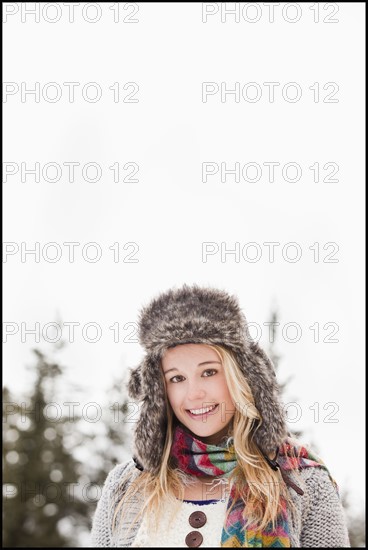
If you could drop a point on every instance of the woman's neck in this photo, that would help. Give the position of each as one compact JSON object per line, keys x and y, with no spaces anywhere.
{"x":213,"y":439}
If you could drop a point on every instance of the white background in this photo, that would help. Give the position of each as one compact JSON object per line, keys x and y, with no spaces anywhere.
{"x":170,"y":212}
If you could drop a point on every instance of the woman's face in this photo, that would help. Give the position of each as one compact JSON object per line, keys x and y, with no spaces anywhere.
{"x":197,"y":390}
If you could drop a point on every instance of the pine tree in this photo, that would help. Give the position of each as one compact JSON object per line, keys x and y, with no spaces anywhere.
{"x":275,"y":358}
{"x":356,"y":524}
{"x":44,"y":504}
{"x":109,"y":445}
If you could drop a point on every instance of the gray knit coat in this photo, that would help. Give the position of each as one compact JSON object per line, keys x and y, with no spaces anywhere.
{"x":319,"y":523}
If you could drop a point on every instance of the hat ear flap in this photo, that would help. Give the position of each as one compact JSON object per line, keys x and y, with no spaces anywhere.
{"x":135,"y":383}
{"x":150,"y":430}
{"x":260,"y":374}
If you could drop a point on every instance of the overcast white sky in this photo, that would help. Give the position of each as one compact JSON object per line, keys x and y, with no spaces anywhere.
{"x":170,"y":211}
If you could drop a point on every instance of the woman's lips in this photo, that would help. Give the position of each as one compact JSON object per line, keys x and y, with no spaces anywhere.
{"x":204,"y":415}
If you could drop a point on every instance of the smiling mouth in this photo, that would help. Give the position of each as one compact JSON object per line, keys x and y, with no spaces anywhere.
{"x":202,"y":413}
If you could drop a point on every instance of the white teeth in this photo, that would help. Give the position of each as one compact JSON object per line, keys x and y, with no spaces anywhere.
{"x":202,"y":411}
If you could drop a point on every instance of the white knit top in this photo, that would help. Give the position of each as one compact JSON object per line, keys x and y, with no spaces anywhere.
{"x":173,"y":533}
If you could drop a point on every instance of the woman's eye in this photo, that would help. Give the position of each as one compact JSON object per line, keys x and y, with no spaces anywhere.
{"x":211,"y":371}
{"x":173,"y":379}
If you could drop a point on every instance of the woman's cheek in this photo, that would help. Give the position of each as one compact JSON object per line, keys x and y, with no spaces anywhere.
{"x":174,"y":393}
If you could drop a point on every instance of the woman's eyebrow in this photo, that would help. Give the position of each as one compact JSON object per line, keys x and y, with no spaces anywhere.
{"x":199,"y":365}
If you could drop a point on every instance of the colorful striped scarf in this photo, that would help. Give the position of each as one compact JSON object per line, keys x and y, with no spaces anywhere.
{"x":197,"y":458}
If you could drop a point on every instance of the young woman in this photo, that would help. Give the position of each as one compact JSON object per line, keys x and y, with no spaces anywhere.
{"x":213,"y":462}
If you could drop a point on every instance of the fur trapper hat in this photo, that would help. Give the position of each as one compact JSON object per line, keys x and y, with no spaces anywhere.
{"x":202,"y":315}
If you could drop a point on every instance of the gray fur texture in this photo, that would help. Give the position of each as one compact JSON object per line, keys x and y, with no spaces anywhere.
{"x":206,"y":315}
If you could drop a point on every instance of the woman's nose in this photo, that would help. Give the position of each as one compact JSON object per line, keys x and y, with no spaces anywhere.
{"x":195,"y":392}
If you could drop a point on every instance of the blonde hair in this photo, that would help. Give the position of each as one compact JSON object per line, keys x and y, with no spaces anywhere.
{"x":262,"y":503}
